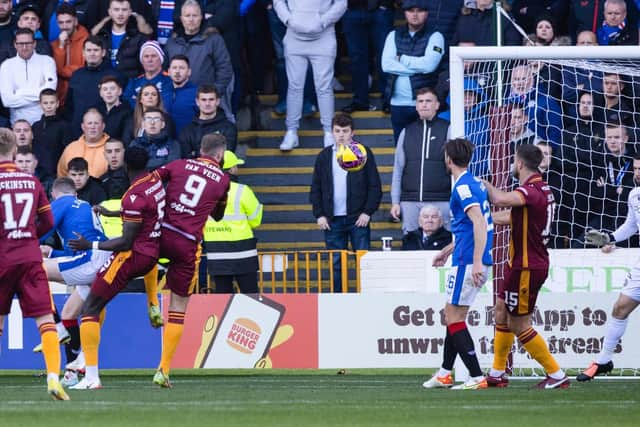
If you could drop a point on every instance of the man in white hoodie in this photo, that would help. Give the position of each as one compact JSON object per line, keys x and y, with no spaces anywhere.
{"x":310,"y":39}
{"x":24,"y":76}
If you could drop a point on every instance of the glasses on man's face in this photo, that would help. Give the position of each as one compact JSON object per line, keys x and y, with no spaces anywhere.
{"x":23,"y":44}
{"x":153,"y":119}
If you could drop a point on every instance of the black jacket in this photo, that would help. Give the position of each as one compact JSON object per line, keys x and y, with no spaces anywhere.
{"x":83,"y":92}
{"x":162,"y":149}
{"x":115,"y":183}
{"x":118,"y":122}
{"x":192,"y":134}
{"x":364,"y":190}
{"x":413,"y":241}
{"x":478,"y":26}
{"x":92,"y":192}
{"x":127,"y":61}
{"x":50,"y":136}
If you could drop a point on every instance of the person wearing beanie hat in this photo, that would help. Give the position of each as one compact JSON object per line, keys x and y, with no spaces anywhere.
{"x":152,"y":58}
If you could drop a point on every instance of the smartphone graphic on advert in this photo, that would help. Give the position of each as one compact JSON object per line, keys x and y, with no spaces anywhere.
{"x":245,"y":332}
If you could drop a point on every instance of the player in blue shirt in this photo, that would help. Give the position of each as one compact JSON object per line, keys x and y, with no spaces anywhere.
{"x":71,"y":216}
{"x":473,"y":239}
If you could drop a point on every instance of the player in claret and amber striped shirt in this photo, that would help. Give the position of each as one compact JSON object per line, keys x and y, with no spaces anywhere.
{"x":532,"y":207}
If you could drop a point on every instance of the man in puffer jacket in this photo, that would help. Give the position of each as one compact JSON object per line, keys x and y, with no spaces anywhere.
{"x":310,"y":38}
{"x":156,"y":141}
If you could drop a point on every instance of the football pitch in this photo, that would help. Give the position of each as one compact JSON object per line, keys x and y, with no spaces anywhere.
{"x":307,"y":398}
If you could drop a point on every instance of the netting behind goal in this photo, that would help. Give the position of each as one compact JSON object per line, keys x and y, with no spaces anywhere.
{"x":582,"y":108}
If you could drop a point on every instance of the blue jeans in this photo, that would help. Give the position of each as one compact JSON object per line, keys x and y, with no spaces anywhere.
{"x":400,"y":118}
{"x":361,"y":29}
{"x":343,"y":229}
{"x":278,"y":30}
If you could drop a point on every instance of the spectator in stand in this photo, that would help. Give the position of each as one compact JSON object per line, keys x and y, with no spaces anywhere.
{"x":615,"y":29}
{"x":88,"y":188}
{"x":411,"y":57}
{"x":444,"y":16}
{"x":419,"y":174}
{"x":24,"y":76}
{"x":149,"y":97}
{"x":519,"y":132}
{"x":613,"y":104}
{"x":151,"y":58}
{"x":118,"y":121}
{"x":310,"y":39}
{"x":86,"y":12}
{"x":210,"y":119}
{"x":51,"y":133}
{"x":23,"y":132}
{"x":84,"y":84}
{"x":123,"y":35}
{"x":115,"y":181}
{"x":161,"y":148}
{"x":477,"y":24}
{"x":182,"y":105}
{"x":144,"y":8}
{"x":67,"y":49}
{"x":589,"y":15}
{"x":7,"y":22}
{"x":365,"y":25}
{"x":29,"y":17}
{"x":89,"y":146}
{"x":544,"y":113}
{"x":27,"y":162}
{"x":431,"y":234}
{"x":208,"y":56}
{"x":526,"y":12}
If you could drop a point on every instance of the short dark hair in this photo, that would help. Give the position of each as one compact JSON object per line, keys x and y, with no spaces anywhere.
{"x":111,"y":79}
{"x":120,"y":1}
{"x":180,"y":57}
{"x":342,"y":120}
{"x":212,"y":143}
{"x":66,"y":9}
{"x":636,"y":156}
{"x":20,"y":31}
{"x":94,"y":40}
{"x":207,"y":89}
{"x":459,"y":150}
{"x":530,"y":155}
{"x":24,"y":150}
{"x":426,"y":89}
{"x":154,"y":110}
{"x":64,"y":185}
{"x":79,"y":164}
{"x":136,"y":159}
{"x":48,"y":92}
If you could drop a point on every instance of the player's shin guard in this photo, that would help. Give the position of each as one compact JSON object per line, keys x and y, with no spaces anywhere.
{"x":502,"y":344}
{"x":464,"y":345}
{"x":73,"y":347}
{"x":90,"y":338}
{"x":50,"y":347}
{"x":172,"y":333}
{"x":151,"y":286}
{"x":537,"y":347}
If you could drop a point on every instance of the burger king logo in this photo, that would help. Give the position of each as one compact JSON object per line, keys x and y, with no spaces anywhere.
{"x":244,"y":335}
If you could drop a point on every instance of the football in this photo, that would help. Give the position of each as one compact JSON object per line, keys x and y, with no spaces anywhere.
{"x":351,"y":157}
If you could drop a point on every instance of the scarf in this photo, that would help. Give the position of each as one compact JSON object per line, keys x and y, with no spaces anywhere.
{"x":606,"y":33}
{"x":165,"y":20}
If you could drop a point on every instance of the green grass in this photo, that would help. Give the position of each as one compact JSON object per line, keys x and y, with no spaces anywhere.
{"x":308,"y":398}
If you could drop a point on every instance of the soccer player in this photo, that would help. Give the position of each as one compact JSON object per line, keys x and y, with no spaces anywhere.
{"x":471,"y":248}
{"x":532,"y":205}
{"x":25,"y":215}
{"x":72,"y":215}
{"x":629,"y":297}
{"x":135,"y":253}
{"x":196,"y":188}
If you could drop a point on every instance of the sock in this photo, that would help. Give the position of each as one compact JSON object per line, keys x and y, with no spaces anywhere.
{"x":615,"y":331}
{"x":50,"y":347}
{"x":102,"y":316}
{"x":172,"y":333}
{"x":463,"y":343}
{"x":90,"y":338}
{"x":72,"y":348}
{"x":502,"y":344}
{"x":151,"y":286}
{"x":449,"y":354}
{"x":537,"y":347}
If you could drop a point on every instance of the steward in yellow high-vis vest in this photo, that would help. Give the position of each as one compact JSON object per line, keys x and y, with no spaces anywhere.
{"x":230,"y":244}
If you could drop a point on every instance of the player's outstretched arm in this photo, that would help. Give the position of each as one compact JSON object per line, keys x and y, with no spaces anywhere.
{"x":503,"y":199}
{"x":441,"y":259}
{"x":123,"y":243}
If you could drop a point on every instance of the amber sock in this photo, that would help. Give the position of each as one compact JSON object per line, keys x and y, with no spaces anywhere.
{"x":502,"y":344}
{"x":172,"y":333}
{"x":90,"y":339}
{"x":151,"y":286}
{"x":50,"y":347}
{"x":537,"y":347}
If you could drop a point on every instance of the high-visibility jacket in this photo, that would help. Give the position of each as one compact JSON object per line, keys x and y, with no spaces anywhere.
{"x":230,"y":245}
{"x":112,"y":225}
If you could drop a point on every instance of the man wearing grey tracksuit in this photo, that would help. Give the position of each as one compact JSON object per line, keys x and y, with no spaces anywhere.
{"x":310,"y":39}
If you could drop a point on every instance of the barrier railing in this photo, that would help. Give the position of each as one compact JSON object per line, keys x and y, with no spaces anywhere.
{"x":308,"y":271}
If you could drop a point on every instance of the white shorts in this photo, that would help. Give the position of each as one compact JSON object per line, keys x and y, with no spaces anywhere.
{"x":632,"y":284}
{"x":81,"y":269}
{"x":460,"y":287}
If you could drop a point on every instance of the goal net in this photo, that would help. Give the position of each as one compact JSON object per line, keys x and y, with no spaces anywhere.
{"x":581,"y":105}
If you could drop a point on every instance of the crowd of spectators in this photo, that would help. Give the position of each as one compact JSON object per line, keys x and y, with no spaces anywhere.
{"x":76,"y":75}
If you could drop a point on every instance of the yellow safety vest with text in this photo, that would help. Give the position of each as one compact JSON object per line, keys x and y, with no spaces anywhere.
{"x":242,"y":214}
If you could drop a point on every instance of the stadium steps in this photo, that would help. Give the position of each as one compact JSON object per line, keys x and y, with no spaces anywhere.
{"x":282,"y":181}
